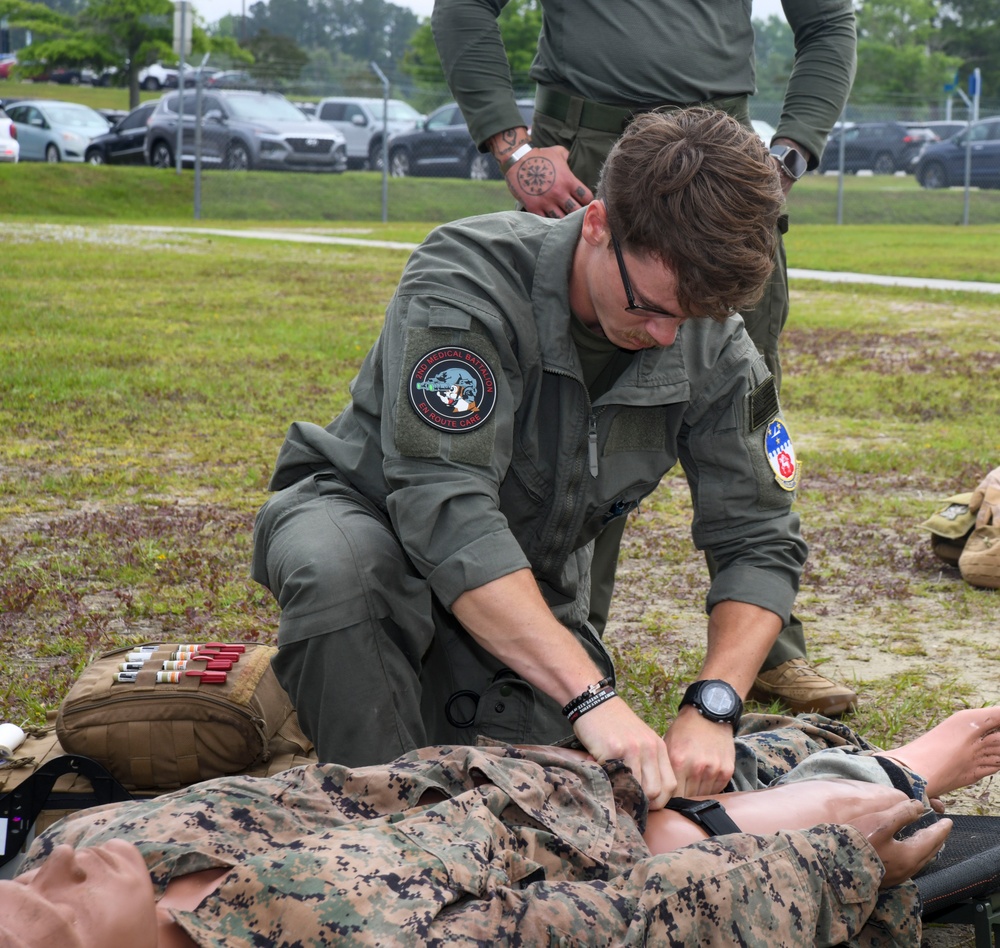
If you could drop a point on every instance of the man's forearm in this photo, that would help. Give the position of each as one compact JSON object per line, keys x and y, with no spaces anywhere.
{"x":740,"y":635}
{"x":510,"y":619}
{"x":475,"y":65}
{"x":821,"y":78}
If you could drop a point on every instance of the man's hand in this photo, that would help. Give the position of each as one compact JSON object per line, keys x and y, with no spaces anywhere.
{"x":614,"y":731}
{"x":543,"y":183}
{"x":701,"y":752}
{"x":902,"y":859}
{"x":988,"y":507}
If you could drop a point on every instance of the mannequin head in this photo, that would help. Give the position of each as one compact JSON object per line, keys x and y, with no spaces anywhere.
{"x":82,"y":898}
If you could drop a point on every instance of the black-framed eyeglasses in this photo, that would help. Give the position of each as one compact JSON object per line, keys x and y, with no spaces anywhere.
{"x":634,"y":307}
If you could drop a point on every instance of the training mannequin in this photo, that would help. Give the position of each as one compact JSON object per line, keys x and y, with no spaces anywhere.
{"x":72,"y":890}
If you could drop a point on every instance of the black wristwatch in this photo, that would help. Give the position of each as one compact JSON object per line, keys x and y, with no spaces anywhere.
{"x":717,"y":700}
{"x":791,"y":161}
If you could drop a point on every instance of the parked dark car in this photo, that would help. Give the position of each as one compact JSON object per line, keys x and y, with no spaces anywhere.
{"x":241,"y":130}
{"x":124,"y":144}
{"x":942,"y":164}
{"x":443,"y":147}
{"x":880,"y":147}
{"x":943,"y":128}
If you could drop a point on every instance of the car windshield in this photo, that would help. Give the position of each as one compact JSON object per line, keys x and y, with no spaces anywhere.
{"x":77,"y":116}
{"x":398,"y":111}
{"x":262,"y":107}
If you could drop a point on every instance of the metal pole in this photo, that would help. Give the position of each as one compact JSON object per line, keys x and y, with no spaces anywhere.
{"x":199,"y":82}
{"x":385,"y":140}
{"x":180,"y":86}
{"x":974,"y":84}
{"x":840,"y":166}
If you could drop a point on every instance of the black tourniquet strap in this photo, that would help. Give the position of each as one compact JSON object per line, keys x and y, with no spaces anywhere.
{"x":708,"y":814}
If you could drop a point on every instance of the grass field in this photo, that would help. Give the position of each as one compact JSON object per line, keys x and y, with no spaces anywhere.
{"x":147,"y":379}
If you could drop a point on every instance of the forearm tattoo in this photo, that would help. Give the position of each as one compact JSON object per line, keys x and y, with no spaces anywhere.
{"x":535,"y":175}
{"x":506,"y":142}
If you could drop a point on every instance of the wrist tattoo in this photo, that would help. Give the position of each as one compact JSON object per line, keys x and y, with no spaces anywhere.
{"x":535,"y":175}
{"x":509,"y":139}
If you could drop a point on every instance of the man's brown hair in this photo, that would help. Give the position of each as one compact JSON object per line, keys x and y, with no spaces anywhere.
{"x":698,"y":191}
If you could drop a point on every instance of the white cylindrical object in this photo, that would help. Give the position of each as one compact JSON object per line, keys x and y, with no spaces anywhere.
{"x":11,"y":738}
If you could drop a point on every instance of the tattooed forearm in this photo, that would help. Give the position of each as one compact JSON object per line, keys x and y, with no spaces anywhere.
{"x":503,"y":143}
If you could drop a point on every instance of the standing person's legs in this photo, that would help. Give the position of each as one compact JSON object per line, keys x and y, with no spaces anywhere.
{"x":355,"y":620}
{"x":786,"y":675}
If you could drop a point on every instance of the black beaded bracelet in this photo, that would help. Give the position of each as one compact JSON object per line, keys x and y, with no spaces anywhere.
{"x":587,"y":692}
{"x":591,"y":703}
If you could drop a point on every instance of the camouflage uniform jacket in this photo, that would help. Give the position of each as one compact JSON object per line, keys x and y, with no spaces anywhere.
{"x":489,"y":846}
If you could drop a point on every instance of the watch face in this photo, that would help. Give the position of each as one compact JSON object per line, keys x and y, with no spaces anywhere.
{"x":718,"y":699}
{"x":791,"y":160}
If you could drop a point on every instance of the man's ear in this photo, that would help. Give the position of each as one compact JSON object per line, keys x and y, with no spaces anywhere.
{"x":595,"y":224}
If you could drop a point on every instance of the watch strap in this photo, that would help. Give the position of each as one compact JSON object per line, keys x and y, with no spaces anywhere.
{"x":711,"y":815}
{"x":515,"y":157}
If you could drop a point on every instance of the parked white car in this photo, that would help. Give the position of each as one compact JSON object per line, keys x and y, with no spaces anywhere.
{"x":9,"y":147}
{"x":157,"y":76}
{"x":361,"y":122}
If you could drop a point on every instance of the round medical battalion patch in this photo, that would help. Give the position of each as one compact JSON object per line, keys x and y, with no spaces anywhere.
{"x":781,"y":455}
{"x":453,"y":389}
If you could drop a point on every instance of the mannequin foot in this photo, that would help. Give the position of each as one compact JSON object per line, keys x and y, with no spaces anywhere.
{"x":961,"y":750}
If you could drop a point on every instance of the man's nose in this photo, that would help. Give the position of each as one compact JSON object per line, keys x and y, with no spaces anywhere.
{"x":663,"y":330}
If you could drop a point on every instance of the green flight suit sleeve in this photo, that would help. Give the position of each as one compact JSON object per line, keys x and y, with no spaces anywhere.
{"x":475,"y":65}
{"x":823,"y":73}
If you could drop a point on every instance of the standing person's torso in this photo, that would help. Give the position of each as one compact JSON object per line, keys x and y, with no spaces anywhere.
{"x":647,"y":52}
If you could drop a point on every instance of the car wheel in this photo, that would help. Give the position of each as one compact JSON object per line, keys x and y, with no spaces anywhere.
{"x":160,"y":155}
{"x":238,"y":157}
{"x":150,"y":84}
{"x":95,"y":156}
{"x":399,"y":164}
{"x":52,"y":154}
{"x":483,"y":167}
{"x":933,"y":175}
{"x":884,"y":164}
{"x":375,"y":156}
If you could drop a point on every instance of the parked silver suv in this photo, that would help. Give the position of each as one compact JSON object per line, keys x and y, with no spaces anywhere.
{"x":243,"y":129}
{"x":360,"y":121}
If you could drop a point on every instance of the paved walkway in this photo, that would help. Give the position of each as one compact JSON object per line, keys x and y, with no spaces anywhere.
{"x":828,"y":276}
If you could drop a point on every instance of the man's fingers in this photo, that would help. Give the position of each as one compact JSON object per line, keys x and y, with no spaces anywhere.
{"x":658,"y":780}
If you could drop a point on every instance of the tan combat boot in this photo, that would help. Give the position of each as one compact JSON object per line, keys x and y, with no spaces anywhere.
{"x":800,"y":687}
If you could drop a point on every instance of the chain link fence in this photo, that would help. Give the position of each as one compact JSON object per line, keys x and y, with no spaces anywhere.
{"x":904,"y":162}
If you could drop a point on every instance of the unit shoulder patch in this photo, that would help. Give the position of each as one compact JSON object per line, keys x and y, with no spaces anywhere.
{"x":781,"y":455}
{"x":453,"y":389}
